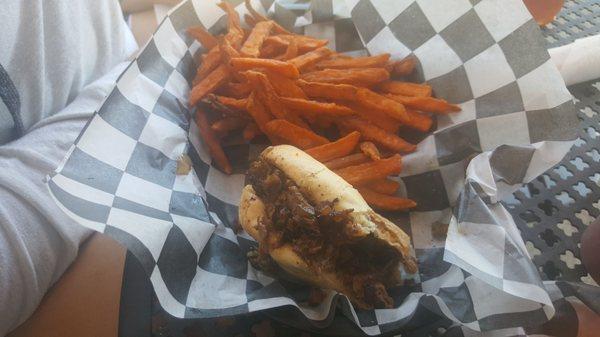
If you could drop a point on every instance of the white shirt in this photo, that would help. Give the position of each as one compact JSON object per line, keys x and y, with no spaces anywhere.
{"x":55,"y":53}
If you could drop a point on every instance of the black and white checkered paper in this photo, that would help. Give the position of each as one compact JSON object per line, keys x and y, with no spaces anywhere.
{"x":517,"y":120}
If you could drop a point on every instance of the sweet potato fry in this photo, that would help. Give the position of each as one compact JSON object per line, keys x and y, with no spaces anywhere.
{"x":356,"y":76}
{"x":266,"y":92}
{"x":235,"y":34}
{"x":212,"y":101}
{"x":340,"y":148}
{"x":344,"y":131}
{"x":384,"y":186}
{"x":305,"y":43}
{"x":310,"y":69}
{"x":209,"y":84}
{"x":258,"y":112}
{"x":235,"y":38}
{"x":380,"y":119}
{"x":232,"y":103}
{"x":419,"y":121}
{"x":211,"y":141}
{"x":306,"y":60}
{"x":259,"y":17}
{"x":277,"y":41}
{"x":293,"y":134}
{"x":405,"y":88}
{"x":266,"y":80}
{"x":227,"y":53}
{"x":277,"y":28}
{"x":250,"y":20}
{"x":373,"y":100}
{"x":378,"y":136}
{"x":271,"y":50}
{"x":317,"y":108}
{"x":321,"y":122}
{"x":389,"y":67}
{"x":251,"y":47}
{"x":228,"y":123}
{"x":367,"y":172}
{"x":405,"y":66}
{"x":350,"y":160}
{"x":236,"y":90}
{"x":291,"y":50}
{"x":337,"y":55}
{"x":233,"y":18}
{"x":370,"y":150}
{"x":284,"y":68}
{"x":206,"y":39}
{"x":359,"y":62}
{"x":251,"y":131}
{"x":284,"y":87}
{"x":328,"y":90}
{"x":385,"y":202}
{"x":210,"y":61}
{"x":429,"y":104}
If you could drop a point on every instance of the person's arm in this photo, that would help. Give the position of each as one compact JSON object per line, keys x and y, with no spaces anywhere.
{"x":37,"y":240}
{"x":85,"y":301}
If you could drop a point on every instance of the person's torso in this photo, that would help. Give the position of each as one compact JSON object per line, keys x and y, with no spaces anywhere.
{"x":49,"y":50}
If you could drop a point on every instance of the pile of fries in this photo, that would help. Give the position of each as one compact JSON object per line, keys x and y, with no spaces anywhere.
{"x":346,"y":112}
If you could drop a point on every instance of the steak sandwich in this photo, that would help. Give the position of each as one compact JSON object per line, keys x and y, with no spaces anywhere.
{"x":318,"y":229}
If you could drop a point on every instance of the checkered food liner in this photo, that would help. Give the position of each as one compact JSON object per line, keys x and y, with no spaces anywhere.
{"x":121,"y":175}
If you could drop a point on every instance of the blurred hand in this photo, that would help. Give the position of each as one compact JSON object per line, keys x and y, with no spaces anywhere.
{"x":544,"y":11}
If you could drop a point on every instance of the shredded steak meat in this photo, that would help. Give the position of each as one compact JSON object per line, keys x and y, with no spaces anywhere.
{"x":317,"y":233}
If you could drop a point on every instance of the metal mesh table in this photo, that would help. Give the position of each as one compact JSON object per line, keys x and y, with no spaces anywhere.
{"x":577,"y":19}
{"x":553,"y":211}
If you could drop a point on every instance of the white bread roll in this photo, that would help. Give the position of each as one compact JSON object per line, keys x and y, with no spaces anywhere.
{"x":318,"y":183}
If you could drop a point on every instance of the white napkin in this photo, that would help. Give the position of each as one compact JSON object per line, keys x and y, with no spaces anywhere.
{"x":578,"y":61}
